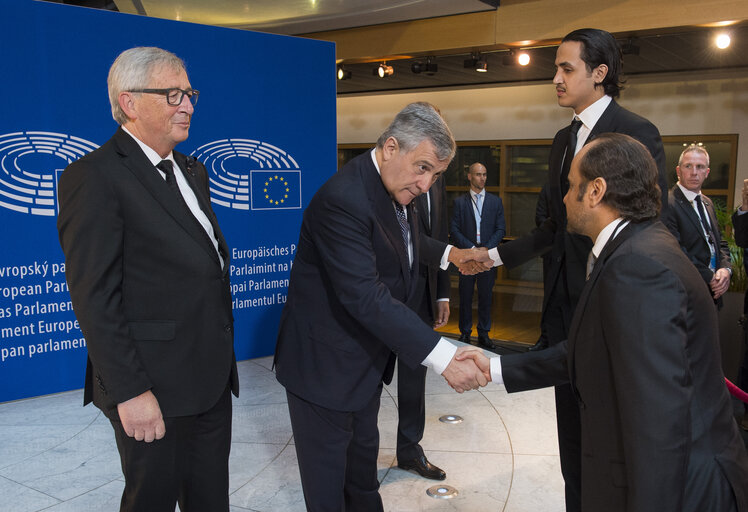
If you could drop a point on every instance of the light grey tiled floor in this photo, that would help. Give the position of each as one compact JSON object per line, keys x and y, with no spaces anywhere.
{"x":58,"y":456}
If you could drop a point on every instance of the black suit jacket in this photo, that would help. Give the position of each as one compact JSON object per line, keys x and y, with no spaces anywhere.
{"x":346,"y":315}
{"x":434,"y":225}
{"x":146,"y":283}
{"x":569,"y":251}
{"x":492,"y":225}
{"x":684,"y":224}
{"x":658,"y":432}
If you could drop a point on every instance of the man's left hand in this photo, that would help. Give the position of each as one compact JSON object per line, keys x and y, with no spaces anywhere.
{"x":720,"y":282}
{"x":442,"y":314}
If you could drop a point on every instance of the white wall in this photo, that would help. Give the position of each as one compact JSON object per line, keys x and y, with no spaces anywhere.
{"x":694,"y":103}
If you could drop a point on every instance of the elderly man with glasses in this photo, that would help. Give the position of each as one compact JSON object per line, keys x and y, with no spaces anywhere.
{"x":147,"y":267}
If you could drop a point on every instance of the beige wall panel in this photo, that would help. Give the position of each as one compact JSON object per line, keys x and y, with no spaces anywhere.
{"x":682,"y":104}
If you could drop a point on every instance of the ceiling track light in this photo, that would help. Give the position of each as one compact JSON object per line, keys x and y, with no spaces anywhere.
{"x":344,"y":74}
{"x":476,"y":62}
{"x":429,"y":67}
{"x":383,"y":70}
{"x":523,"y":58}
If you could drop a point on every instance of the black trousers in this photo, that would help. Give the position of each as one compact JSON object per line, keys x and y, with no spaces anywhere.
{"x":337,"y":455}
{"x":466,"y":285}
{"x":189,"y":465}
{"x":568,"y":421}
{"x":411,"y":397}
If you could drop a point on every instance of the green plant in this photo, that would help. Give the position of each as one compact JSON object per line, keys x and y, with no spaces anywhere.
{"x":739,"y":281}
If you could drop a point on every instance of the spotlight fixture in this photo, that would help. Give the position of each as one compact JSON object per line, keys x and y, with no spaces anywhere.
{"x":722,"y":41}
{"x":429,"y":67}
{"x":383,"y":70}
{"x":629,"y":48}
{"x":476,"y":62}
{"x":344,"y":74}
{"x":523,"y":58}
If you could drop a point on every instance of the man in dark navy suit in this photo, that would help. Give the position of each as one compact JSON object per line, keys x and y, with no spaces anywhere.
{"x":478,"y":221}
{"x":349,"y":311}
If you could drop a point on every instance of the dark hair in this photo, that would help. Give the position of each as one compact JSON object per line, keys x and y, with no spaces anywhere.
{"x":630,"y":174}
{"x":600,"y":47}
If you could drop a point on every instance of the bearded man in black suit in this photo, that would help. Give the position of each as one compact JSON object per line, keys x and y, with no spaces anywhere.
{"x":642,"y":357}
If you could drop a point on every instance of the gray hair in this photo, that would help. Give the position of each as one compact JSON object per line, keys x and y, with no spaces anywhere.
{"x":417,"y":122}
{"x":133,"y":69}
{"x":694,"y":148}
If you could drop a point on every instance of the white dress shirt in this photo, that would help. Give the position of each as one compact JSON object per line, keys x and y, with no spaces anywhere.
{"x":184,"y":188}
{"x":589,"y":117}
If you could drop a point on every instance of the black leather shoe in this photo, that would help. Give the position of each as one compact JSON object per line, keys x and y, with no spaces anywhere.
{"x":423,"y":467}
{"x":539,"y":345}
{"x":465,"y":338}
{"x":485,"y":342}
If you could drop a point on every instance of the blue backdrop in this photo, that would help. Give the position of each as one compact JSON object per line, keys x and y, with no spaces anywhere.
{"x":264,"y":127}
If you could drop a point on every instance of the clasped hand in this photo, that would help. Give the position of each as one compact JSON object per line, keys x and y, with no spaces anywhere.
{"x":469,"y":369}
{"x":471,"y":261}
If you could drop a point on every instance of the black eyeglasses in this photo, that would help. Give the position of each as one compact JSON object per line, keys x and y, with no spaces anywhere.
{"x":174,"y":95}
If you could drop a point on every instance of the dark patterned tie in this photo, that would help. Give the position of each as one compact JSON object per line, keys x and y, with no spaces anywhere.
{"x":571,"y":148}
{"x":404,"y":228}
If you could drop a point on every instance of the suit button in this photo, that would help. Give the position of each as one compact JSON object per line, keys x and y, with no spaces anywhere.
{"x":227,"y":328}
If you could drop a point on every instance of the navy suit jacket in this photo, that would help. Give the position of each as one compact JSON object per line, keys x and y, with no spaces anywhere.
{"x":643,"y":361}
{"x":492,"y":225}
{"x":346,"y":316}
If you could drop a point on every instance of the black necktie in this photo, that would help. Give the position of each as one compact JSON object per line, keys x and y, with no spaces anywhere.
{"x":404,"y":228}
{"x":571,"y":147}
{"x":702,"y":215}
{"x":167,"y":168}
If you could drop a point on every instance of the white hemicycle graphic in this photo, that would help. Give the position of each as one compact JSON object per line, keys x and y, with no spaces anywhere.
{"x":248,"y":174}
{"x":30,"y":163}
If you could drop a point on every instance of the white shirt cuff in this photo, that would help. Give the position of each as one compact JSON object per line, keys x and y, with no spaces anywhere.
{"x":444,"y":264}
{"x":439,"y":358}
{"x":496,"y":376}
{"x":494,"y":255}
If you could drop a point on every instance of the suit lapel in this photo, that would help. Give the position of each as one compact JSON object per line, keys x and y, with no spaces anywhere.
{"x":605,"y":123}
{"x":138,"y":164}
{"x":683,"y":203}
{"x":605,"y":254}
{"x":384,"y":210}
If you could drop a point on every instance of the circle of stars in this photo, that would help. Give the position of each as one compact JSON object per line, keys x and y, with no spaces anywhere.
{"x":269,"y":183}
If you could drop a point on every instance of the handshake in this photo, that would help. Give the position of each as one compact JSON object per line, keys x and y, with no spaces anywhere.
{"x":471,"y":261}
{"x":469,"y":369}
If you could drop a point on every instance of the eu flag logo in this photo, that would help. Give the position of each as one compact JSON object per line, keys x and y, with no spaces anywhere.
{"x":276,"y":190}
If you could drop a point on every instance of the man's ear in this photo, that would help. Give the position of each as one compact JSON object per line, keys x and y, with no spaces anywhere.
{"x":596,"y":191}
{"x":599,"y":73}
{"x":390,"y":148}
{"x":127,"y":104}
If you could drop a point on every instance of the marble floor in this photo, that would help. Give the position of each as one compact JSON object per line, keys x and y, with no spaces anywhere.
{"x":56,"y":455}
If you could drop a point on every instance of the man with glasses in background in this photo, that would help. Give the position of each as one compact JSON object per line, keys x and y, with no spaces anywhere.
{"x":147,"y":267}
